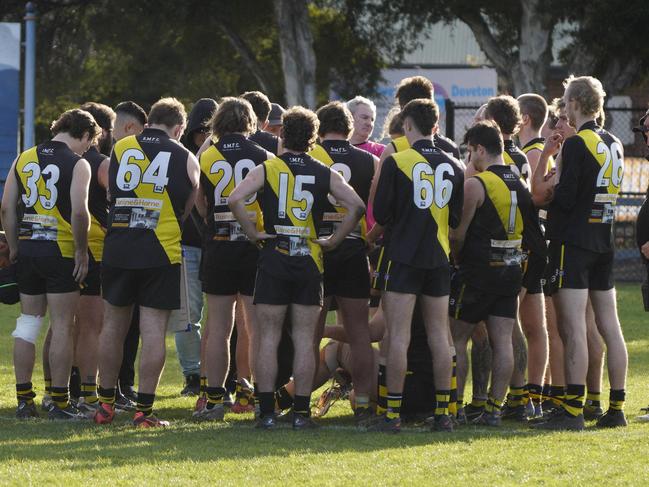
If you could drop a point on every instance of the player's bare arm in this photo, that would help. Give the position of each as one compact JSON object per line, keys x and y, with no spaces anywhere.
{"x":348,"y":199}
{"x":473,"y":199}
{"x":253,"y":182}
{"x":80,"y":217}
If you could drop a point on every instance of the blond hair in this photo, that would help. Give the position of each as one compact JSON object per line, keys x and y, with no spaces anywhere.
{"x":587,"y":91}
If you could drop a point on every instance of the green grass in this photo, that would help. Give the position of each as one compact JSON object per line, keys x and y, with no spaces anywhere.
{"x":38,"y":451}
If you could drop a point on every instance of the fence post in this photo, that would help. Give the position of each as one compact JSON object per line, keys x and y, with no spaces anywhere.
{"x":30,"y":75}
{"x":450,"y":118}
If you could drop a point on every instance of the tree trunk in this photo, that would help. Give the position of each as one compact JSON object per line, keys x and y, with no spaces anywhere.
{"x":527,"y":70}
{"x":248,"y":58}
{"x":535,"y":49}
{"x":298,"y":56}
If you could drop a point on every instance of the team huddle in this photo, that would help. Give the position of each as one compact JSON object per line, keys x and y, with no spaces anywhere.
{"x":417,"y":251}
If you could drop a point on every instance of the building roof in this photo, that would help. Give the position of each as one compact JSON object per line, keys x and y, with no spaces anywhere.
{"x":454,"y":44}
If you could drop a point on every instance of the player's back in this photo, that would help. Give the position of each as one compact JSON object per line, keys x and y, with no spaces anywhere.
{"x":294,"y":197}
{"x":149,"y":188}
{"x":420,"y":196}
{"x":583,"y":210}
{"x":44,"y":175}
{"x":491,"y":256}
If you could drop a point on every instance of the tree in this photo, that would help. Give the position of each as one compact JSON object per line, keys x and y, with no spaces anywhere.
{"x":298,"y":56}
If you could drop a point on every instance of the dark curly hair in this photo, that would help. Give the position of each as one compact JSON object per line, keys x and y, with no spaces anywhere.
{"x":299,"y":129}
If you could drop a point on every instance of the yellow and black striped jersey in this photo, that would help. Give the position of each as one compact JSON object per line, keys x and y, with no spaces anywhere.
{"x":419,"y":195}
{"x":583,"y":209}
{"x":538,"y":144}
{"x":224,"y":164}
{"x":357,"y":167}
{"x":441,"y":142}
{"x":97,"y":204}
{"x":492,"y":253}
{"x":294,"y":198}
{"x":44,"y":176}
{"x":517,"y":159}
{"x":149,"y":188}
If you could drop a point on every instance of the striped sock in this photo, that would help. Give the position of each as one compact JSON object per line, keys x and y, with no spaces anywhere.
{"x":106,"y":396}
{"x":394,"y":405}
{"x":145,"y":403}
{"x":60,"y":397}
{"x":557,"y":395}
{"x":516,"y":396}
{"x":573,"y":403}
{"x":616,"y":400}
{"x":89,"y":392}
{"x":492,"y":405}
{"x":442,"y":402}
{"x":25,"y":392}
{"x":215,"y":396}
{"x":453,"y":402}
{"x":594,"y":399}
{"x":535,"y":392}
{"x":202,"y":389}
{"x":382,"y":402}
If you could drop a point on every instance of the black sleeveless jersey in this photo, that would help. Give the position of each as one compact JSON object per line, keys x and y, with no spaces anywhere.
{"x":149,"y":188}
{"x":515,"y":157}
{"x":97,"y":204}
{"x":294,"y":199}
{"x":224,"y":164}
{"x":419,"y":195}
{"x":357,"y":167}
{"x":266,"y":140}
{"x":492,"y":253}
{"x":583,"y":209}
{"x":44,"y":177}
{"x":443,"y":143}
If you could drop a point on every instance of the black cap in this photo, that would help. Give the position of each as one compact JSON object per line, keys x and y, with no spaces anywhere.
{"x":275,"y":116}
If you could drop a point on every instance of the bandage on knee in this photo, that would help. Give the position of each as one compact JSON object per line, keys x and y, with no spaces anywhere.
{"x":28,"y":328}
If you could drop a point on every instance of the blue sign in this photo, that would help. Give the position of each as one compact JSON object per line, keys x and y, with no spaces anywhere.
{"x":9,"y":96}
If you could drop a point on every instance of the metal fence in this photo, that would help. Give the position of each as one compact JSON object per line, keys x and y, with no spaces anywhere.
{"x":619,"y":121}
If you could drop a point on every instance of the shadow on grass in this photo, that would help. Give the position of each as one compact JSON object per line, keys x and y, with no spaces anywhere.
{"x":121,"y":444}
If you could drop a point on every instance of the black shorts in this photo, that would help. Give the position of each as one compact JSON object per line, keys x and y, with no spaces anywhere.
{"x":473,"y":305}
{"x":378,"y":272}
{"x":92,"y":285}
{"x":47,"y":274}
{"x":403,"y":278}
{"x":155,"y":287}
{"x":222,"y":281}
{"x":534,"y":274}
{"x":575,"y":268}
{"x":347,"y":277}
{"x":272,"y":290}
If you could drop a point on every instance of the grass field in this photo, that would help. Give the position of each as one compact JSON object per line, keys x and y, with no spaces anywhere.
{"x":186,"y":453}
